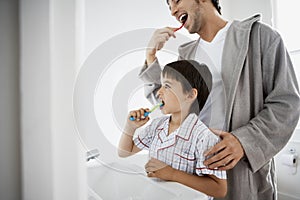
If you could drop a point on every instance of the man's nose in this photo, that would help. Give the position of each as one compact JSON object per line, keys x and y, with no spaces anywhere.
{"x":173,"y":9}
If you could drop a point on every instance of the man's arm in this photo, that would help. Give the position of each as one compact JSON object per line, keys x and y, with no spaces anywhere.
{"x":157,"y":42}
{"x":150,"y":73}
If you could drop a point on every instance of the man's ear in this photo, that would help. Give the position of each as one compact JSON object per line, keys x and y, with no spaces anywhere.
{"x":192,"y":95}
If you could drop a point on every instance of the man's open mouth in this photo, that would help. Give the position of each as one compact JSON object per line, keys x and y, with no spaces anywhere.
{"x":183,"y":18}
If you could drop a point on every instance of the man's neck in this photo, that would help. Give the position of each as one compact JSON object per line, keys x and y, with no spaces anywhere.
{"x":211,"y":28}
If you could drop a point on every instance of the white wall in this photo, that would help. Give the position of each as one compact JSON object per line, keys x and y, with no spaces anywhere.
{"x":52,"y":157}
{"x":242,"y":9}
{"x":106,"y":19}
{"x":10,"y":168}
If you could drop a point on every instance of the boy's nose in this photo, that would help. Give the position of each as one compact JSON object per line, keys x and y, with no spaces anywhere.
{"x":159,"y":92}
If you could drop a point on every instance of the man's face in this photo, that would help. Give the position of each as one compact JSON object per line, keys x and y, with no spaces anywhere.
{"x":189,"y":12}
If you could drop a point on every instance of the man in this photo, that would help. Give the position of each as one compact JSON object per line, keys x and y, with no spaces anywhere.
{"x":253,"y":75}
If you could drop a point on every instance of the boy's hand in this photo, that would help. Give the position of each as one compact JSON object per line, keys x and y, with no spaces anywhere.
{"x":159,"y":169}
{"x":140,"y":119}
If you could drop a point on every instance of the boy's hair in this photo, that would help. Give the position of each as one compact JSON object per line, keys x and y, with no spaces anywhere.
{"x":191,"y":75}
{"x":214,"y":2}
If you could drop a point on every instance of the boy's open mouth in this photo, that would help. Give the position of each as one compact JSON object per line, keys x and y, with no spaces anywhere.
{"x":162,"y":104}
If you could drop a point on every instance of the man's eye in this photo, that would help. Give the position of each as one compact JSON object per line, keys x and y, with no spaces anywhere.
{"x":176,"y":1}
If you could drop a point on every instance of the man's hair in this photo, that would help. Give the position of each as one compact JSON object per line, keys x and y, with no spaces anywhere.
{"x":217,"y":5}
{"x":214,"y":2}
{"x":191,"y":75}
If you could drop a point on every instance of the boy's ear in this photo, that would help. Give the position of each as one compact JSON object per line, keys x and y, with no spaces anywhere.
{"x":192,"y":95}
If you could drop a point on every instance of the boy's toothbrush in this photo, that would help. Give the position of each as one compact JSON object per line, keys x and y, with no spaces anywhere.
{"x":150,"y":111}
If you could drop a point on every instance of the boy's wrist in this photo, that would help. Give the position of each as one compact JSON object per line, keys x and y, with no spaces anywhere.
{"x":173,"y":175}
{"x":129,"y":130}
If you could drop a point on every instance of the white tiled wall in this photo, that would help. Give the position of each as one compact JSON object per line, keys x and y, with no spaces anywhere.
{"x":288,"y":181}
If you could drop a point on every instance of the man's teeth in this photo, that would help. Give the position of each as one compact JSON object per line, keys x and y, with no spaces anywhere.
{"x":182,"y":18}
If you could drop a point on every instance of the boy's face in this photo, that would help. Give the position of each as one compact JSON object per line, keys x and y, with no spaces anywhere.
{"x":172,"y":95}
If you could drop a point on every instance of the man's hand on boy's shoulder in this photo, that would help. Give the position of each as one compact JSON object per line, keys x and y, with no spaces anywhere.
{"x":226,"y":154}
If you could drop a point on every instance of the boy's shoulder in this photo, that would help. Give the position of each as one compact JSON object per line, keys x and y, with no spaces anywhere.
{"x":201,"y":131}
{"x":159,"y":120}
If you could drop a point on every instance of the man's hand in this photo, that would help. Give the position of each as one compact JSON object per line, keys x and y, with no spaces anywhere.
{"x":159,"y":169}
{"x":228,"y":152}
{"x":156,"y":43}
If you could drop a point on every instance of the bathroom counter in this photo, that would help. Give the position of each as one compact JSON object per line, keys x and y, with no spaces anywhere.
{"x":126,"y":179}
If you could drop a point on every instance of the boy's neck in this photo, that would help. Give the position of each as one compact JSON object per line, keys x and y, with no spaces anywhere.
{"x":177,"y":119}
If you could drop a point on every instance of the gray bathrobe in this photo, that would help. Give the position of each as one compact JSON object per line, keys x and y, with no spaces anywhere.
{"x":262,"y":102}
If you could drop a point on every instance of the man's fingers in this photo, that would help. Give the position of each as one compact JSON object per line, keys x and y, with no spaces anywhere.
{"x":216,"y":131}
{"x":225,"y":161}
{"x":171,"y":31}
{"x":216,"y":160}
{"x":218,"y":147}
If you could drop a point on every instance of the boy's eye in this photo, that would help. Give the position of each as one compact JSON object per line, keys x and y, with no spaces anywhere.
{"x":167,"y":86}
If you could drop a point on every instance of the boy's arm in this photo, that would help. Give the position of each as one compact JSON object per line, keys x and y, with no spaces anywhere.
{"x":208,"y":184}
{"x":126,"y":144}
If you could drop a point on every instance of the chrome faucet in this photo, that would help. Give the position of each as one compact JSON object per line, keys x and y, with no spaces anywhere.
{"x":92,"y":154}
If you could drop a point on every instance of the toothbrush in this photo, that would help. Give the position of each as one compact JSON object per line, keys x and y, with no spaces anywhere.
{"x":177,"y":29}
{"x":150,"y":111}
{"x":182,"y":19}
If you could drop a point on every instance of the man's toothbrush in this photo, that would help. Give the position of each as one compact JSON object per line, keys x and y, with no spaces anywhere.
{"x":182,"y":19}
{"x":150,"y":111}
{"x":177,"y":29}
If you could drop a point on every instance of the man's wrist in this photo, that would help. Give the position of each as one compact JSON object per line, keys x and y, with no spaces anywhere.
{"x":150,"y":59}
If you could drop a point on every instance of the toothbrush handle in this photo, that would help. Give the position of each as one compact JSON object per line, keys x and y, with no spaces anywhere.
{"x":133,"y":118}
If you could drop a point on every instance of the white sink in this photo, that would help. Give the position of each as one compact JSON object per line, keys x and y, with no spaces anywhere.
{"x":117,"y":181}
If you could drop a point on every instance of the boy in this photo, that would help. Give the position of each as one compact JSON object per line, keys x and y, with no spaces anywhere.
{"x":177,"y":142}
